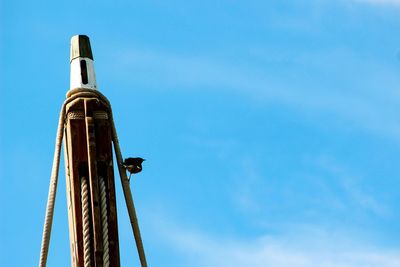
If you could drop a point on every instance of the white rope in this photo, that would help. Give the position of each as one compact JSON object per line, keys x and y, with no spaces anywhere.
{"x":44,"y":249}
{"x":85,"y":221}
{"x":52,"y":192}
{"x":72,"y":95}
{"x":104,"y":223}
{"x":128,"y":197}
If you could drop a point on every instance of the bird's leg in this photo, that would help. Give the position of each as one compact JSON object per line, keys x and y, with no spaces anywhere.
{"x":129,"y":179}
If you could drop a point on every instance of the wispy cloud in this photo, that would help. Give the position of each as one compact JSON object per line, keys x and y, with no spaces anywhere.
{"x":361,"y":102}
{"x":249,"y":192}
{"x":381,"y":2}
{"x":327,"y":185}
{"x":307,"y":249}
{"x":353,"y":189}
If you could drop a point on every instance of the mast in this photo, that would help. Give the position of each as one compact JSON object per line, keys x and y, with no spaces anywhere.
{"x":87,"y":127}
{"x":92,"y":211}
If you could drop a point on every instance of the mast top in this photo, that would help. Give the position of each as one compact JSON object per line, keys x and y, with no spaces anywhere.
{"x":80,"y":47}
{"x":82,"y":65}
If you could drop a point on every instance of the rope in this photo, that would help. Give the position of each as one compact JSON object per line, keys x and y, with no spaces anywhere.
{"x":85,"y":222}
{"x":122,"y":173}
{"x":76,"y":115}
{"x":104,"y":222}
{"x":72,"y":95}
{"x":52,"y":192}
{"x":128,"y":197}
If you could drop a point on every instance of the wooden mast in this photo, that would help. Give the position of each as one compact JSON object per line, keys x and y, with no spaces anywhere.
{"x":88,"y":159}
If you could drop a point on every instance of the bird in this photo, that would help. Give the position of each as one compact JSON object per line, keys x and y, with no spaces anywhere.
{"x":133,"y":165}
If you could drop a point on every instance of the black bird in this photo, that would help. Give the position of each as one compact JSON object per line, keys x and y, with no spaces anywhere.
{"x":133,"y":165}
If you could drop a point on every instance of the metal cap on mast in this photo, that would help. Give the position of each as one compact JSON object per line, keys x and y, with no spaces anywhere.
{"x":80,"y":47}
{"x":82,"y":67}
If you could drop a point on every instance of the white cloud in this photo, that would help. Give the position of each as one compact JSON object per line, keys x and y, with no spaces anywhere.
{"x":328,"y":187}
{"x":308,"y":249}
{"x":353,"y":187}
{"x":381,"y":2}
{"x":325,"y":84}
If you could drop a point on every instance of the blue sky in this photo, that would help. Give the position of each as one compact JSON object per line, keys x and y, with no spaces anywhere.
{"x":270,"y":129}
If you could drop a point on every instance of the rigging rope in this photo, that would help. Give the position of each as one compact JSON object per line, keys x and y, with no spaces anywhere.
{"x":85,"y":221}
{"x":104,"y":222}
{"x":72,"y":95}
{"x":52,"y":191}
{"x":128,"y":196}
